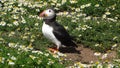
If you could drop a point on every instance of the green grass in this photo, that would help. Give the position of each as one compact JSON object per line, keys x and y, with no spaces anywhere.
{"x":21,"y":25}
{"x":26,"y":58}
{"x":102,"y":33}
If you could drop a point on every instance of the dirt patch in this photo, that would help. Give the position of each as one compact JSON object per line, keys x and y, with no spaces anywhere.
{"x":86,"y":55}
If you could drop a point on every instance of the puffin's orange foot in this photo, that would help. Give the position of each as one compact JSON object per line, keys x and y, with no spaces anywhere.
{"x":53,"y":50}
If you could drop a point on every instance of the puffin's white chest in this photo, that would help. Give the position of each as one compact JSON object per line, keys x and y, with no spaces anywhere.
{"x":48,"y":33}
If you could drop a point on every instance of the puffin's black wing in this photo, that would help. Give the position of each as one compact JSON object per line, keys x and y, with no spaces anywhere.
{"x":62,"y":35}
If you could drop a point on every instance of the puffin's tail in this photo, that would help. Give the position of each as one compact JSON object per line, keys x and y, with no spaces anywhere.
{"x":73,"y":44}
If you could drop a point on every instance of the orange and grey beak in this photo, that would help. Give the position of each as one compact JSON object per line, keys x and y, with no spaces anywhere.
{"x":43,"y":14}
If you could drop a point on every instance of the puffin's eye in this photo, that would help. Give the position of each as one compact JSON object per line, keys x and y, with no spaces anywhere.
{"x":49,"y":10}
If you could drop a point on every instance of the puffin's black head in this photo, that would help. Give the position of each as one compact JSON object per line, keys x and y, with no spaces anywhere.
{"x":48,"y":14}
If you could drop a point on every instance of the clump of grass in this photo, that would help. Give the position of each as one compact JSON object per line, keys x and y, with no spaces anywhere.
{"x":20,"y":56}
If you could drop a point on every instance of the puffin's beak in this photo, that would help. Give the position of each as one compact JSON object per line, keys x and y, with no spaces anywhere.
{"x":43,"y":14}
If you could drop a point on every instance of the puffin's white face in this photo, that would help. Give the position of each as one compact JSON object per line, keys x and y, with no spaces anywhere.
{"x":47,"y":14}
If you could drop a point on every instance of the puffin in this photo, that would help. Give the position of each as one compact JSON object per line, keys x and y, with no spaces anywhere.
{"x":54,"y":31}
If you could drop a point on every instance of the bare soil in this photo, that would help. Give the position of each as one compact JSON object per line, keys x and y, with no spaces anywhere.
{"x":85,"y":55}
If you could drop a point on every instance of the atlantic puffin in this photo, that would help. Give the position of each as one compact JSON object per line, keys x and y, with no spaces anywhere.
{"x":54,"y":31}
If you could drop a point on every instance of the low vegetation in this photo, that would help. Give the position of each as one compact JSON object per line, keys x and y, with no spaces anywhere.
{"x":95,"y":24}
